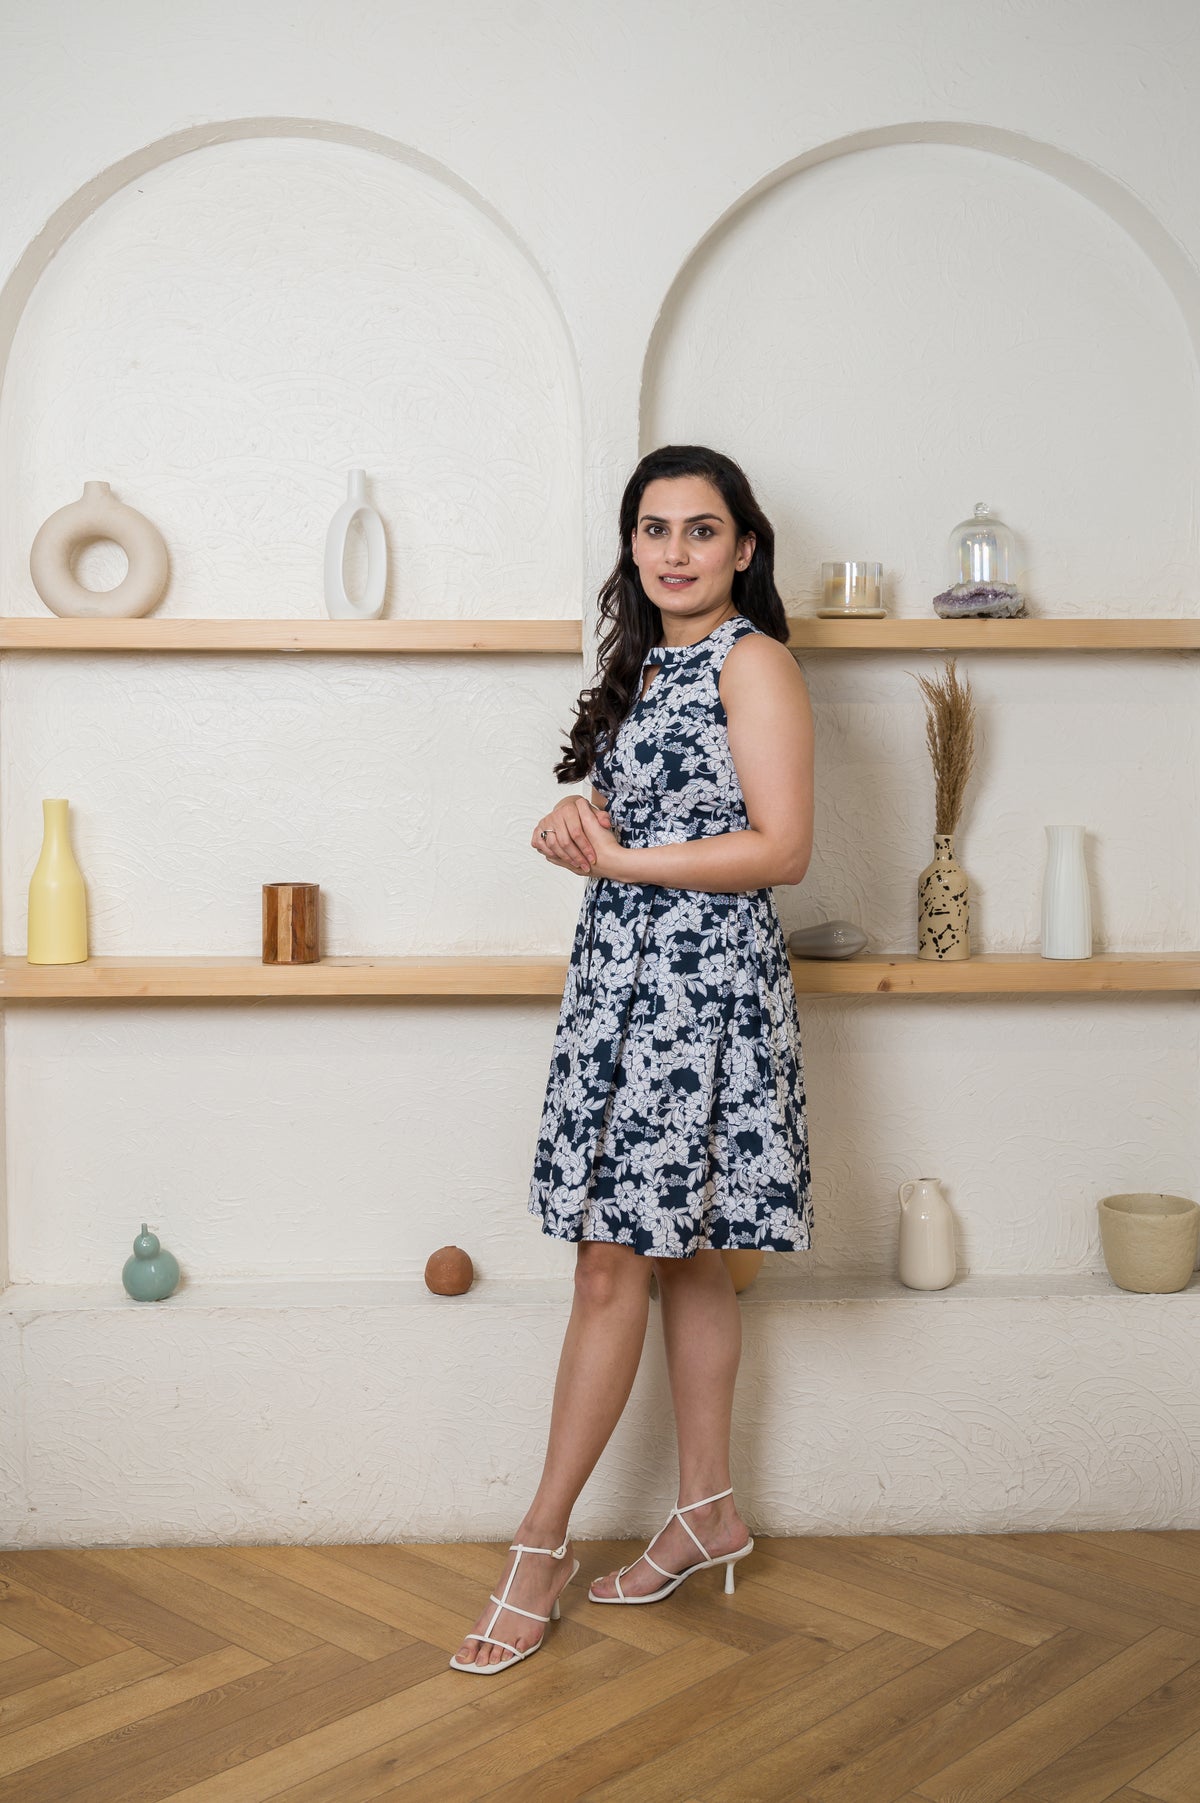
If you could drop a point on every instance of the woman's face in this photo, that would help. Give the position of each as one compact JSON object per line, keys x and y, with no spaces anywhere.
{"x":686,"y":547}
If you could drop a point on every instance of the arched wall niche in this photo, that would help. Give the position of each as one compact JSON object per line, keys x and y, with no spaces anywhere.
{"x":839,"y":330}
{"x":231,"y":411}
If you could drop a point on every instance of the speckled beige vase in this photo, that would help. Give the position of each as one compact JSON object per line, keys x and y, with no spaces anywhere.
{"x":943,"y":907}
{"x":743,"y":1265}
{"x":742,"y":1262}
{"x":1149,"y":1240}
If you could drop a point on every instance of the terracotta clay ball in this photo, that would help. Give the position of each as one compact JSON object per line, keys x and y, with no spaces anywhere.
{"x":449,"y":1271}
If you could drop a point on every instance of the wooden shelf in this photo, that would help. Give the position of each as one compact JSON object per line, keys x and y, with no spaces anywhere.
{"x":148,"y":979}
{"x":928,"y":633}
{"x":995,"y":973}
{"x":869,"y":973}
{"x":39,"y":632}
{"x":36,"y":632}
{"x":136,"y":978}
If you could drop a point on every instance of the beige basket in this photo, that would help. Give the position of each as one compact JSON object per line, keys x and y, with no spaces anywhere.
{"x":1149,"y":1240}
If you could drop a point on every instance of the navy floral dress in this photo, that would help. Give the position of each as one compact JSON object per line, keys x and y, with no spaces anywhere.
{"x":675,"y":1118}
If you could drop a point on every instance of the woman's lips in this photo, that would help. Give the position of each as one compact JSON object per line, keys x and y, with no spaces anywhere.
{"x":676,"y":581}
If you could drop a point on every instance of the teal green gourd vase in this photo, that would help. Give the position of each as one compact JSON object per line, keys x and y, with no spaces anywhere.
{"x":150,"y":1274}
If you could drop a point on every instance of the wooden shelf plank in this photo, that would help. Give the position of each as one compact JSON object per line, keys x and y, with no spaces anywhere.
{"x":523,"y":974}
{"x":928,"y":633}
{"x":39,"y":633}
{"x":995,"y":973}
{"x":144,"y":979}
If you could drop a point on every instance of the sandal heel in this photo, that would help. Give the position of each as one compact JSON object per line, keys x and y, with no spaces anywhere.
{"x":675,"y":1579}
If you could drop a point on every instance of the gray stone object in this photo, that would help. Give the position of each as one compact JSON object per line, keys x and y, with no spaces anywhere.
{"x":827,"y":939}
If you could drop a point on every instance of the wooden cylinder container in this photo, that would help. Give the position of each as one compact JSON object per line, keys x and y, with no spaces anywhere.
{"x":291,"y":916}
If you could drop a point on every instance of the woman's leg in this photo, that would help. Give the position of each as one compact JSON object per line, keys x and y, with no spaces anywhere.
{"x":601,"y":1350}
{"x":702,"y":1331}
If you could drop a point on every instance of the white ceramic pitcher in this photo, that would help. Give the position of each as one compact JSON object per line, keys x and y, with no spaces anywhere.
{"x":926,"y":1258}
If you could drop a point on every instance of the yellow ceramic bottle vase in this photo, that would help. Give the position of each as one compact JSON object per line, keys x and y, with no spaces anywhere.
{"x":57,"y":897}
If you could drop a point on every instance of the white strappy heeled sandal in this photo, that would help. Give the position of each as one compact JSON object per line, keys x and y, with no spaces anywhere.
{"x":728,"y":1560}
{"x":502,"y":1603}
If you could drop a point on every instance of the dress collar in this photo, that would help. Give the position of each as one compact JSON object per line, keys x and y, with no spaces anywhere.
{"x":674,"y":654}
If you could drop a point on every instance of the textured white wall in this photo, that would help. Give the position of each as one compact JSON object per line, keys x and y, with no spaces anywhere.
{"x":227,"y":335}
{"x":406,"y":786}
{"x":460,"y":250}
{"x":282,"y":1140}
{"x":898,"y":332}
{"x":326,"y":1421}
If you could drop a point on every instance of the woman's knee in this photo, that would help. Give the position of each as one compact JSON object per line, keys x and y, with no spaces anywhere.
{"x":604,"y":1270}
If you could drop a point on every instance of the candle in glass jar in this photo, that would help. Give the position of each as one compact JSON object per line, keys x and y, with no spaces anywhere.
{"x":851,"y":585}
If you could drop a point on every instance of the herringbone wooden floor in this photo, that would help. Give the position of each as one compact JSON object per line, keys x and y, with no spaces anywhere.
{"x":1038,"y":1668}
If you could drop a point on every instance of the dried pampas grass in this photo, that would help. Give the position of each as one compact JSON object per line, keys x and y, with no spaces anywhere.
{"x":950,"y":736}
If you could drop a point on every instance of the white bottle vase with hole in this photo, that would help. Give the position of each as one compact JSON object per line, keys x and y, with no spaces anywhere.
{"x":1066,"y":903}
{"x":338,"y":604}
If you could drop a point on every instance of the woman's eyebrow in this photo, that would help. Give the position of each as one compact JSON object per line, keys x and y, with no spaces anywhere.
{"x":658,"y":519}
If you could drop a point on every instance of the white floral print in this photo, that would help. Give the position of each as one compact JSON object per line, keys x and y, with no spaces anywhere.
{"x":675,"y":1118}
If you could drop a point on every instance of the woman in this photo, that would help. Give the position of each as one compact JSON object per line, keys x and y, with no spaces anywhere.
{"x":674,"y":1122}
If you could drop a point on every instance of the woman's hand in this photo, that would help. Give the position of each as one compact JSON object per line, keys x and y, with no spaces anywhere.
{"x":607,"y":851}
{"x":567,"y":841}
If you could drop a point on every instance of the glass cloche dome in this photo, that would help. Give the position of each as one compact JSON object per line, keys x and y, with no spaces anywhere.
{"x":982,"y":564}
{"x":982,"y":549}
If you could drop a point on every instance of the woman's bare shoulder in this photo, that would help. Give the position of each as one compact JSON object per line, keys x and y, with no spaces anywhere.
{"x":756,"y":660}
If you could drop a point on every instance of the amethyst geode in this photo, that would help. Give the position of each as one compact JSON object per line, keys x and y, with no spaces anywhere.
{"x":979,"y":600}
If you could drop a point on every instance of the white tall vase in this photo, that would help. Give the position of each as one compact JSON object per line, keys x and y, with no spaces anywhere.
{"x":338,"y":604}
{"x":1066,"y":903}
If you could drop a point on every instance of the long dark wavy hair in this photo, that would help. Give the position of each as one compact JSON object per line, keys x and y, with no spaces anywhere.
{"x":635,"y":623}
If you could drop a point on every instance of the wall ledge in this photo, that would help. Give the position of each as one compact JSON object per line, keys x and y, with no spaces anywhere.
{"x":257,"y":1296}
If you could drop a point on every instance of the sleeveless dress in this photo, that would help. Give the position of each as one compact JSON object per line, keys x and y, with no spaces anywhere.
{"x":675,"y":1118}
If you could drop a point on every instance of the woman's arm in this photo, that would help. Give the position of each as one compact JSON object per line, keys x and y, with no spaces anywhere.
{"x":770,"y":728}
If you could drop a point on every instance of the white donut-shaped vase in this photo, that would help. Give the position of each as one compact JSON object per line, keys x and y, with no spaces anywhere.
{"x":98,"y":514}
